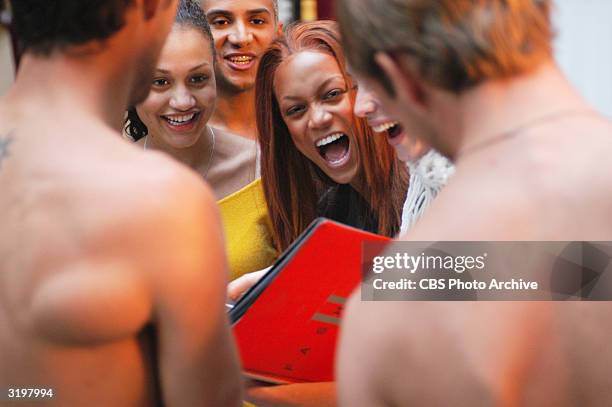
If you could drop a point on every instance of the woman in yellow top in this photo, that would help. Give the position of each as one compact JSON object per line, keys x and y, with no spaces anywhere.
{"x":173,"y":119}
{"x":247,"y":230}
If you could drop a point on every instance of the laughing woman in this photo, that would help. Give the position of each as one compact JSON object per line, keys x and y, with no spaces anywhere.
{"x":318,"y":158}
{"x":173,"y":119}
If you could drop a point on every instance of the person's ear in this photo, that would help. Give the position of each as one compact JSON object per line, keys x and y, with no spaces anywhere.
{"x":150,"y":8}
{"x":404,"y":80}
{"x":279,"y":28}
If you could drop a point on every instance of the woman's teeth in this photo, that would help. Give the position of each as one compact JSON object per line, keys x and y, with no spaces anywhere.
{"x":334,"y":148}
{"x":384,"y":127}
{"x":178,"y":120}
{"x":329,"y":139}
{"x":241,"y":60}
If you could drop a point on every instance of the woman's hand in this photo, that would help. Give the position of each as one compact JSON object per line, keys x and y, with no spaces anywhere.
{"x":239,"y":286}
{"x":291,"y":395}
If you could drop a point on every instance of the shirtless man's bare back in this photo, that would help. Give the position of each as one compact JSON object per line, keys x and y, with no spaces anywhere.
{"x":112,"y":270}
{"x":477,"y":81}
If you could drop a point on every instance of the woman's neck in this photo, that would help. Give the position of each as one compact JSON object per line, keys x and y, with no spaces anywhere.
{"x":359,"y":184}
{"x":196,"y":157}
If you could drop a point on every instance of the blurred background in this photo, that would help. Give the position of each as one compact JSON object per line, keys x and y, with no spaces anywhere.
{"x":583,"y":47}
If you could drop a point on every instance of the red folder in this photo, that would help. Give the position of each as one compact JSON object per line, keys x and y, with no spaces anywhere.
{"x":286,"y":326}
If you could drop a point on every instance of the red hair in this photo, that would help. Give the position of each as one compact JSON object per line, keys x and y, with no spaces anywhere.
{"x":292,"y":184}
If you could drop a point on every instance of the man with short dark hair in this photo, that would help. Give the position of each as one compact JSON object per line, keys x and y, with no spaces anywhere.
{"x":113,"y":270}
{"x":477,"y":81}
{"x":242,"y":30}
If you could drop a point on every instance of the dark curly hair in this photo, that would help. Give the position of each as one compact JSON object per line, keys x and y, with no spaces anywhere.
{"x":189,"y":14}
{"x":43,"y":26}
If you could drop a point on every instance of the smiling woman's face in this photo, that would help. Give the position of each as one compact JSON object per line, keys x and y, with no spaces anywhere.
{"x":316,"y":106}
{"x":183,"y":92}
{"x":367,"y":106}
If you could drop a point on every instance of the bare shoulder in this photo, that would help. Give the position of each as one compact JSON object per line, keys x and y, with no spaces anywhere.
{"x":171,"y":186}
{"x":473,"y":208}
{"x":151,"y":189}
{"x":172,"y":212}
{"x":389,"y":352}
{"x":532,"y":187}
{"x":397,"y":353}
{"x":142,"y":205}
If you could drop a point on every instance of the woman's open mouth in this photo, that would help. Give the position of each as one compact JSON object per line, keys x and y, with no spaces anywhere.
{"x":334,"y":148}
{"x":391,"y":129}
{"x":181,"y":122}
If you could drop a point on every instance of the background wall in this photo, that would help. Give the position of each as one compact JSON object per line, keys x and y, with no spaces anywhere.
{"x":583,"y":48}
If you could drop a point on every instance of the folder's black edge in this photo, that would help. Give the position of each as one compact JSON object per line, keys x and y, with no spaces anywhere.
{"x":255,"y":291}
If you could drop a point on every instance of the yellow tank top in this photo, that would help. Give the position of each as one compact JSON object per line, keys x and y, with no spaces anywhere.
{"x":247,"y":228}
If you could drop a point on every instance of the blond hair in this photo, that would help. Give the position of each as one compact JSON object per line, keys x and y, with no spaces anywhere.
{"x":456,"y":43}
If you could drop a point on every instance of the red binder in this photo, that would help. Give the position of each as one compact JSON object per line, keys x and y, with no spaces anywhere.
{"x":286,"y":326}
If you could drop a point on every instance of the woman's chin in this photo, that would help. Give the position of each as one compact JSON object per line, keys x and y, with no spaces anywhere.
{"x":344,"y":174}
{"x":411,"y":150}
{"x":182,"y":141}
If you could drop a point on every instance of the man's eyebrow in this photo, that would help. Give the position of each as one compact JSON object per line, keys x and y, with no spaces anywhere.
{"x":226,"y":13}
{"x":259,"y":11}
{"x":218,"y":12}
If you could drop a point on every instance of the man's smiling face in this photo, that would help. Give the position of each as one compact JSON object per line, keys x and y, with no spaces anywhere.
{"x":242,"y":30}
